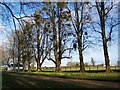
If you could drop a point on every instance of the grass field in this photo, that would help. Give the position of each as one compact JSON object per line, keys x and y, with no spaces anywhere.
{"x":113,"y":76}
{"x":10,"y":81}
{"x":87,"y":68}
{"x":92,"y":73}
{"x":35,"y":80}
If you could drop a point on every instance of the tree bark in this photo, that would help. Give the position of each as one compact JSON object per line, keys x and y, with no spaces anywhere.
{"x":18,"y":55}
{"x":58,"y":68}
{"x":38,"y":47}
{"x":13,"y":55}
{"x":39,"y":67}
{"x":55,"y":43}
{"x":104,"y":39}
{"x":23,"y":61}
{"x":79,"y":33}
{"x":23,"y":66}
{"x":28,"y":60}
{"x":82,"y":69}
{"x":107,"y":60}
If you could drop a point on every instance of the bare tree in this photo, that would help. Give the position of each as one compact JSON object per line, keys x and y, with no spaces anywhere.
{"x":58,"y":36}
{"x":79,"y":21}
{"x":41,"y":38}
{"x":104,"y":11}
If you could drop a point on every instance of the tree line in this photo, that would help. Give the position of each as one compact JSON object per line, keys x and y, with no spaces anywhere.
{"x":52,"y":30}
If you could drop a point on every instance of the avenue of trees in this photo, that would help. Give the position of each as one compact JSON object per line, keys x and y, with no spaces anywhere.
{"x":52,"y":30}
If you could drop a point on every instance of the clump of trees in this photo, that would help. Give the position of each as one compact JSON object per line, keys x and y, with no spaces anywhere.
{"x":52,"y":32}
{"x":73,"y":64}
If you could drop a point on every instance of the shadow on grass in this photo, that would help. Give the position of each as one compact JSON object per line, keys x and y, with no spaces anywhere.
{"x":10,"y":81}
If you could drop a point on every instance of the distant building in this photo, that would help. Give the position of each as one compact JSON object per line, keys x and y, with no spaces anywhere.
{"x":10,"y":67}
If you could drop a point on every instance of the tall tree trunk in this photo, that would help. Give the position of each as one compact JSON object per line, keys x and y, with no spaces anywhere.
{"x":18,"y":56}
{"x":79,"y":33}
{"x":107,"y":60}
{"x":38,"y":47}
{"x":104,"y":39}
{"x":39,"y":66}
{"x":23,"y":60}
{"x":13,"y":55}
{"x":28,"y":59}
{"x":58,"y":68}
{"x":55,"y":43}
{"x":29,"y":68}
{"x":23,"y":66}
{"x":82,"y":69}
{"x":23,"y":56}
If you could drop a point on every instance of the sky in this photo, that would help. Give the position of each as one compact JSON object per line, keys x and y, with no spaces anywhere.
{"x":96,"y":53}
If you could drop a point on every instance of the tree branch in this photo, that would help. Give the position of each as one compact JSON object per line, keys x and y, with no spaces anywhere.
{"x":14,"y":17}
{"x":96,"y":30}
{"x":111,"y":30}
{"x":66,"y":49}
{"x":68,"y":57}
{"x":74,"y":26}
{"x":108,"y":10}
{"x":84,"y":47}
{"x":44,"y":59}
{"x":51,"y":60}
{"x":99,"y":11}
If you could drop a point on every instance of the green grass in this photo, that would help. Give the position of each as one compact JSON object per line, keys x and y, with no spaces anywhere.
{"x":9,"y":81}
{"x":113,"y":76}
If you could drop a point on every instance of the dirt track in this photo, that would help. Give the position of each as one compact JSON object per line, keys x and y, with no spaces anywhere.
{"x":86,"y":83}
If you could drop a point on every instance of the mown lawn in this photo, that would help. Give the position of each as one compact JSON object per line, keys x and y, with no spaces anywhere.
{"x":10,"y":81}
{"x":113,"y":76}
{"x":18,"y":81}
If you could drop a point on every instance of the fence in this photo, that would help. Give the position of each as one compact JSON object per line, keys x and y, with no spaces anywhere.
{"x":87,"y":68}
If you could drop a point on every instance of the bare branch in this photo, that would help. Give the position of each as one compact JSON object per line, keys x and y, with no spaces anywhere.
{"x":99,"y":11}
{"x":111,"y":30}
{"x":14,"y":17}
{"x":51,"y":60}
{"x":84,"y":47}
{"x":44,"y":59}
{"x":108,"y":10}
{"x":66,"y":49}
{"x":74,"y":26}
{"x":68,"y":57}
{"x":96,"y":30}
